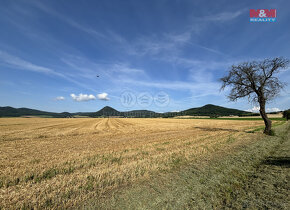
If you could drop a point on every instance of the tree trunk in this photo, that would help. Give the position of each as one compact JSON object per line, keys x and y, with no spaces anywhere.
{"x":267,"y":121}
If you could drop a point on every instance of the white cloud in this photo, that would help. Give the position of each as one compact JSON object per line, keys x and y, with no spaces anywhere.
{"x":103,"y":96}
{"x":254,"y":109}
{"x":83,"y":97}
{"x":257,"y":109}
{"x":60,"y":98}
{"x":274,"y":109}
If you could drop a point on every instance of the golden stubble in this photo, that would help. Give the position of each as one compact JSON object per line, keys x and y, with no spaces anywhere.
{"x":64,"y":162}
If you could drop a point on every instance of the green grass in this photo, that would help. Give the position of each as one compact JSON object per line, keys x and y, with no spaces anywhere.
{"x":255,"y":176}
{"x":260,"y":128}
{"x":236,"y":118}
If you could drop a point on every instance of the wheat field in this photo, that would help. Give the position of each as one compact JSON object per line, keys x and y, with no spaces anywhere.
{"x":62,"y":163}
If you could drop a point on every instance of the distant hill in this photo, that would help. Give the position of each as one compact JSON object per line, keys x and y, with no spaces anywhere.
{"x":210,"y":110}
{"x":107,"y":111}
{"x":8,"y":111}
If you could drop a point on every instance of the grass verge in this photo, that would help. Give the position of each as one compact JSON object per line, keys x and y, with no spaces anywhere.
{"x":237,"y":118}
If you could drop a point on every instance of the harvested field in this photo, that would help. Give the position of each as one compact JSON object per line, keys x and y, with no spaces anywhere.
{"x":49,"y":163}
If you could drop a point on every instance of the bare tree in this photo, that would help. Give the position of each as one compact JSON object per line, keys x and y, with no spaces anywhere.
{"x":286,"y":114}
{"x":256,"y":80}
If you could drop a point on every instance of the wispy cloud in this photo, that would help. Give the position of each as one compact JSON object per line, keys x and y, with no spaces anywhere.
{"x":60,"y":98}
{"x":172,"y":42}
{"x":206,"y":88}
{"x":166,"y":43}
{"x":71,"y":22}
{"x":89,"y":69}
{"x":200,"y":64}
{"x":201,"y":80}
{"x":21,"y":64}
{"x":185,"y":39}
{"x":146,"y":45}
{"x":224,"y":16}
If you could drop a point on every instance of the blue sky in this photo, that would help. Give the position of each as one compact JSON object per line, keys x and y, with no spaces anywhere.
{"x":52,"y":51}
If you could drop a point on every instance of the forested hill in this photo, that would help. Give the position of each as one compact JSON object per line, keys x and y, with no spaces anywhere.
{"x":207,"y":110}
{"x":211,"y":109}
{"x":8,"y":111}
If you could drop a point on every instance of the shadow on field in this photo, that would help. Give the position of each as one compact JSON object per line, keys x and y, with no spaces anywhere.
{"x":278,"y":161}
{"x":216,"y":129}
